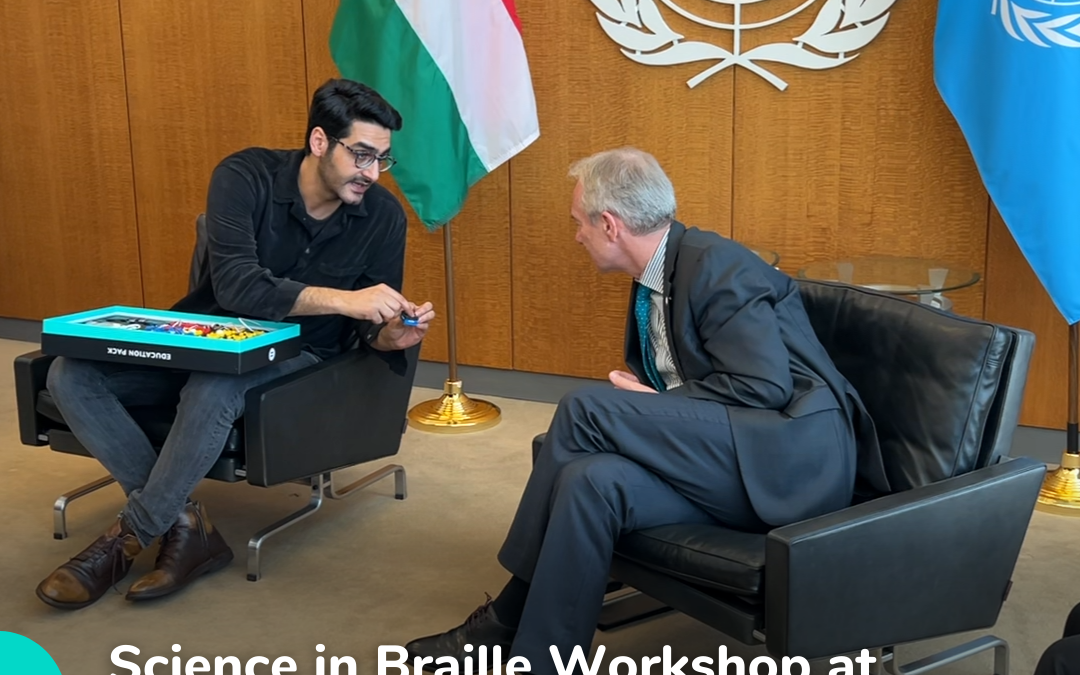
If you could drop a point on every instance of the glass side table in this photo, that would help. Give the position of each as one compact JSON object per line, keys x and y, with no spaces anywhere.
{"x":926,"y":280}
{"x":772,"y":258}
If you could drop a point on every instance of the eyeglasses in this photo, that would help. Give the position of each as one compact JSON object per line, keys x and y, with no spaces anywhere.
{"x":365,"y":158}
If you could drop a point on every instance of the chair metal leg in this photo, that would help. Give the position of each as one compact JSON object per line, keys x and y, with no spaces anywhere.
{"x":884,"y":661}
{"x":61,"y":504}
{"x":944,"y":658}
{"x":321,"y":486}
{"x":889,"y":660}
{"x":627,"y":606}
{"x":371,"y":478}
{"x":318,"y":485}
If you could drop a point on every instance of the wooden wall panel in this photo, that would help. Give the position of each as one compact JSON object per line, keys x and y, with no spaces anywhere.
{"x":481,"y":242}
{"x":101,"y":187}
{"x":569,"y":319}
{"x":860,"y":160}
{"x":67,"y":206}
{"x":1015,"y":297}
{"x":205,"y":79}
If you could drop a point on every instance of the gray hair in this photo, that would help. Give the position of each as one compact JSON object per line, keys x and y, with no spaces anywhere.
{"x":628,"y":183}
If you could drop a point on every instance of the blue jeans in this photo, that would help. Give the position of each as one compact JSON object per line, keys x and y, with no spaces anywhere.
{"x":93,"y":395}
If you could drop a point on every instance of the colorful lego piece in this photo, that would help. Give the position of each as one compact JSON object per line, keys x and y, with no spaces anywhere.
{"x":217,"y":331}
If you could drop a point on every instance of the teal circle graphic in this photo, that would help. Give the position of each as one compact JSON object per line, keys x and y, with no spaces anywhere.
{"x":22,"y":655}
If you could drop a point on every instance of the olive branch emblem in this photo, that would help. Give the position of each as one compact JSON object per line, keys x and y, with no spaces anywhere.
{"x":1031,"y":25}
{"x":841,"y":29}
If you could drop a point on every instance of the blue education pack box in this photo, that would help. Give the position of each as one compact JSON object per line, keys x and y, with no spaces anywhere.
{"x":173,"y":340}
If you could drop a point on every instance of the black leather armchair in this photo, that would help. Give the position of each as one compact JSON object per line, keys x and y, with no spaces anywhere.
{"x":934,"y":558}
{"x":300,"y":428}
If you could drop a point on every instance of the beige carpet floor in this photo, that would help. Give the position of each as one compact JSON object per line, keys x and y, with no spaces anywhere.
{"x":371,"y":570}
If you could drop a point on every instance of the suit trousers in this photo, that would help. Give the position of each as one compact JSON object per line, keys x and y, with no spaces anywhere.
{"x":1063,"y":656}
{"x":613,"y":461}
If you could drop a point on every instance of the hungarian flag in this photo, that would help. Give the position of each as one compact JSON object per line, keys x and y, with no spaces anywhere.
{"x":1009,"y":71}
{"x":456,"y":70}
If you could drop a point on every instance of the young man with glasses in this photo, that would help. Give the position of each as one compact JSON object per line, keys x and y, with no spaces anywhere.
{"x":304,"y":235}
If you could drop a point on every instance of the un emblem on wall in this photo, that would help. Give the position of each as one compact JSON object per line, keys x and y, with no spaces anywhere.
{"x":839,"y":31}
{"x":1041,"y":22}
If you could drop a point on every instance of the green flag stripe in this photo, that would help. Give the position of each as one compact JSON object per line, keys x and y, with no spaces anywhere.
{"x":372,"y":42}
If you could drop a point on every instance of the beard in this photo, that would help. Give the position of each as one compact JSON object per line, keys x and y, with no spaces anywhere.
{"x":349,"y":189}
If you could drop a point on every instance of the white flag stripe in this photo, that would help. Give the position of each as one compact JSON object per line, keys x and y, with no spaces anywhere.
{"x":481,"y":54}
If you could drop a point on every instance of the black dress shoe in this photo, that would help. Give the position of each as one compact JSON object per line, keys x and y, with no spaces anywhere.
{"x":82,"y":581}
{"x":191,"y":548}
{"x":481,"y":628}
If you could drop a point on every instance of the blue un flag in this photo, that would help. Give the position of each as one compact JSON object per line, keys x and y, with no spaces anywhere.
{"x":1009,"y":71}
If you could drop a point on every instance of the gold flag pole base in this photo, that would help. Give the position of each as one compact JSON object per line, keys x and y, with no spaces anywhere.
{"x":454,"y":412}
{"x":1060,"y":493}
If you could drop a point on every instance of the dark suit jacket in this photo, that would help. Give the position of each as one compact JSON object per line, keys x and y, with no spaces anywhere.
{"x":740,"y":336}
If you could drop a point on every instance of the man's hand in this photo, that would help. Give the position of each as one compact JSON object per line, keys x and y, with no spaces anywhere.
{"x":378,"y":304}
{"x":397,"y":335}
{"x":628,"y":382}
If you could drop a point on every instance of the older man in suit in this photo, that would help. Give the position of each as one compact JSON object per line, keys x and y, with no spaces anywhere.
{"x":732,"y":413}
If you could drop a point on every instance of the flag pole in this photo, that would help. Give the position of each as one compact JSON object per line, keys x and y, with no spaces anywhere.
{"x":451,"y":314}
{"x":1060,"y":492}
{"x":453,"y":412}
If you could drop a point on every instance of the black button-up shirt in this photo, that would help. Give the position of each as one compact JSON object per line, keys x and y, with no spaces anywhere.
{"x":263,"y":248}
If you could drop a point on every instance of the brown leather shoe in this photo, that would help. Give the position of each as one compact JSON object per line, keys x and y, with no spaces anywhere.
{"x":82,"y":581}
{"x":191,"y":548}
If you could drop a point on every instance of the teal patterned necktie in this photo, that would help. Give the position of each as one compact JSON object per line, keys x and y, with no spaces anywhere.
{"x":642,"y":303}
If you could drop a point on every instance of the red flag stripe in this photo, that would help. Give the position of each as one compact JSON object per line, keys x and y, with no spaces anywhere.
{"x":513,"y":13}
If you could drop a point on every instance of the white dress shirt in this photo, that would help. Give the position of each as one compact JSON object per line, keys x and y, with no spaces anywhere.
{"x":653,"y":279}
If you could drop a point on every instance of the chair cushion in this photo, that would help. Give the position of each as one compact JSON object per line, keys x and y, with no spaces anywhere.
{"x":155,"y":421}
{"x":703,"y":555}
{"x":928,"y":378}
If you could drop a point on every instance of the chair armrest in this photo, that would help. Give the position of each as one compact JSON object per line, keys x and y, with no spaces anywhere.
{"x":31,"y":376}
{"x":1005,"y":410}
{"x":343,"y":411}
{"x":931,"y":561}
{"x":538,"y":442}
